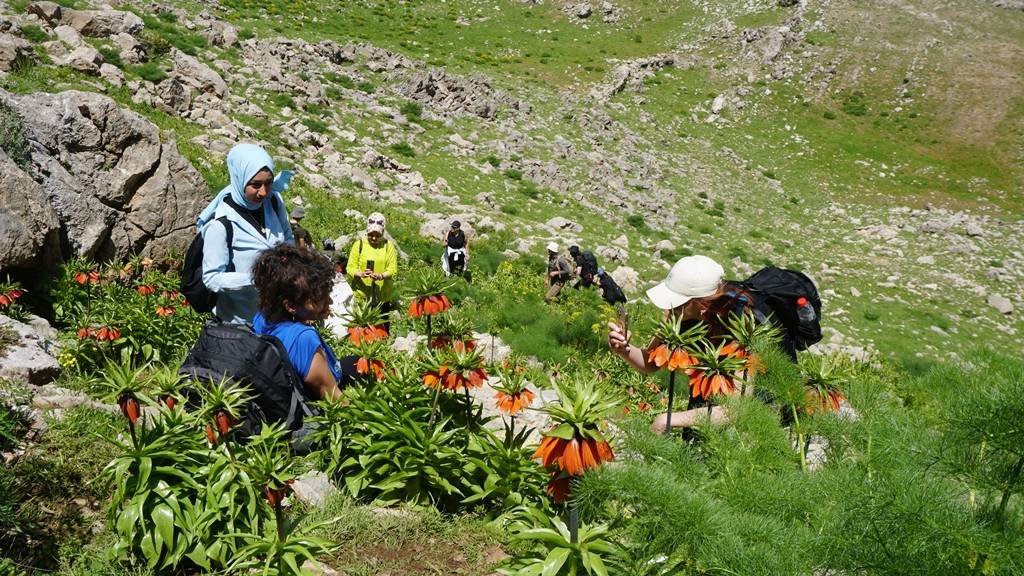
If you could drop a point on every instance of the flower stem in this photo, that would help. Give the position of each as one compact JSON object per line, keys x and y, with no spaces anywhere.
{"x":433,"y":408}
{"x":671,"y":394}
{"x":799,"y":440}
{"x":279,"y":517}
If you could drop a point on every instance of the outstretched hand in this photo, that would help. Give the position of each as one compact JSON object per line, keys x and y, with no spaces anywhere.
{"x":618,"y":339}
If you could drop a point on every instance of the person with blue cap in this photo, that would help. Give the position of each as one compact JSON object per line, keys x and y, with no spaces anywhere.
{"x":252,"y":206}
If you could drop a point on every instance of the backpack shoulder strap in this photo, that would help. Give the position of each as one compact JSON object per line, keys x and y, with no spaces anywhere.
{"x":229,"y":236}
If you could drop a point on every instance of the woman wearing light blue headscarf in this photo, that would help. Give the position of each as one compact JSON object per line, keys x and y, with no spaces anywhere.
{"x":252,"y":206}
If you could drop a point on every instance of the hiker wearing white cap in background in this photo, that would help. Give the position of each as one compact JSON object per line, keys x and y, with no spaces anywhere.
{"x":303,"y":239}
{"x":559,"y":272}
{"x":695,"y":290}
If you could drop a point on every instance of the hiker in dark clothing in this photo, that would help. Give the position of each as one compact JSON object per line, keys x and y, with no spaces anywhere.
{"x":559,"y":272}
{"x":456,"y":250}
{"x":586,"y":267}
{"x":610,"y":291}
{"x":303,"y":239}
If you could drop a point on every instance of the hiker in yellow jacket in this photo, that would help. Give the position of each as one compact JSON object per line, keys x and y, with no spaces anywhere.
{"x":373,"y":265}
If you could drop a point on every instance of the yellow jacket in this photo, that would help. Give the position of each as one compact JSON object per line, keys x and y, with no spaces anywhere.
{"x":385,"y":260}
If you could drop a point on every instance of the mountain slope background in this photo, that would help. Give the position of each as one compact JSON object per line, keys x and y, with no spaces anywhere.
{"x":877,"y":146}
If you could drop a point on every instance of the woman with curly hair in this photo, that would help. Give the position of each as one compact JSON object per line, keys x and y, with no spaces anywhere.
{"x":294,"y":287}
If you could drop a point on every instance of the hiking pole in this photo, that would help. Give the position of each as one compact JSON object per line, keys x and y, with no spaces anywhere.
{"x":671,"y":393}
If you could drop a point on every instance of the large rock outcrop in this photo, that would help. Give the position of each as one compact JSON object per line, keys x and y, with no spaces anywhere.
{"x":28,"y":224}
{"x":114,"y":187}
{"x":94,"y":23}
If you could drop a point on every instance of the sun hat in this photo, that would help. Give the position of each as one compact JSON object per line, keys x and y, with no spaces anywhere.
{"x":298,"y":212}
{"x":690,"y":277}
{"x":379,"y":228}
{"x":552,"y":247}
{"x":375,"y":218}
{"x":456,"y":224}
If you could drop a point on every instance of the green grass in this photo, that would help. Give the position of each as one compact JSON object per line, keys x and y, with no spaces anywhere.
{"x":374,"y":539}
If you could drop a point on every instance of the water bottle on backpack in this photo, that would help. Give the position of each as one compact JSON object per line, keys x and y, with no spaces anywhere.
{"x":804,"y":310}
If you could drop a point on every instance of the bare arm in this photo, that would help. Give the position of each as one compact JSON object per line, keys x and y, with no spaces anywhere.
{"x":636,"y":357}
{"x":319,"y":379}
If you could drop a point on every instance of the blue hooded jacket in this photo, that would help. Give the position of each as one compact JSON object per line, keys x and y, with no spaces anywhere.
{"x":236,"y":296}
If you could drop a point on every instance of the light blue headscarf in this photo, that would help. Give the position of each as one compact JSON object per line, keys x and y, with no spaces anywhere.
{"x":244,"y":161}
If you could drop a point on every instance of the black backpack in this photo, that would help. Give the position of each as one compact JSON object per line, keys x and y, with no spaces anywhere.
{"x":199,"y":297}
{"x":588,"y":264}
{"x":775,"y":293}
{"x":259,"y":361}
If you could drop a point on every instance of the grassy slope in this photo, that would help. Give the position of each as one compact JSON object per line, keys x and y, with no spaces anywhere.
{"x":927,"y":93}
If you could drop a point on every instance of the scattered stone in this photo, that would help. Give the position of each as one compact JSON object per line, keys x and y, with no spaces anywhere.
{"x":313,"y":488}
{"x":1000,"y":303}
{"x":32,"y":358}
{"x":461,"y":142}
{"x":68,"y":35}
{"x":559,"y":223}
{"x":14,"y":51}
{"x":112,"y":74}
{"x":129,"y":48}
{"x":926,"y":260}
{"x":627,"y":279}
{"x":612,"y":254}
{"x":101,"y":23}
{"x":974,"y":229}
{"x":198,"y":75}
{"x":85,"y":58}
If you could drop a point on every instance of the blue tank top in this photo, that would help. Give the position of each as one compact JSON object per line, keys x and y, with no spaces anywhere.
{"x":301,"y":341}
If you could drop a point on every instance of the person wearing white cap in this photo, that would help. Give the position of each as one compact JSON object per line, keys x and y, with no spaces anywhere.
{"x":373,"y":265}
{"x":559,"y":272}
{"x":695,"y":290}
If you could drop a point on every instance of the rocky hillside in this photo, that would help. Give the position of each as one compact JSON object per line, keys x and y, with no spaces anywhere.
{"x":875,"y":146}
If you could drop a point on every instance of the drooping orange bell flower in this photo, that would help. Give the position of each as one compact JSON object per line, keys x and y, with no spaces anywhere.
{"x":164,"y":311}
{"x":145,"y":289}
{"x":224,"y":421}
{"x":366,"y":365}
{"x":129,"y":407}
{"x":359,"y":334}
{"x":573,"y":456}
{"x":512,"y":404}
{"x":558,"y":487}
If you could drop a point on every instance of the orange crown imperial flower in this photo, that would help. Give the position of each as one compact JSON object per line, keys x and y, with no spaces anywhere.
{"x":145,"y":289}
{"x":514,"y":403}
{"x":428,"y":305}
{"x":359,"y":334}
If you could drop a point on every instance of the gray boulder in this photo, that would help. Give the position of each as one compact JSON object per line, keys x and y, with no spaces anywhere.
{"x":101,"y":23}
{"x":198,"y":75}
{"x":28,"y":224}
{"x":30,"y":359}
{"x":85,"y":58}
{"x":115,"y":187}
{"x":13,"y":51}
{"x":1000,"y":303}
{"x":48,"y":11}
{"x":626,"y":278}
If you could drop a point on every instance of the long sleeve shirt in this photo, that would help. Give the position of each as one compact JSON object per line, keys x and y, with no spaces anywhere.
{"x":385,"y":260}
{"x":236,"y":295}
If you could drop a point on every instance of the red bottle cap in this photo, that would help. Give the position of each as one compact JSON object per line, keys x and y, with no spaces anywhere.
{"x":801,"y":301}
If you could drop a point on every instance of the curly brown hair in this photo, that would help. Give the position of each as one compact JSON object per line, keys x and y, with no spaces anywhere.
{"x":297,"y":275}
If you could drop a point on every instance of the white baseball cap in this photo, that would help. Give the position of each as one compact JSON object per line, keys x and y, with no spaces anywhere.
{"x":690,"y":277}
{"x":552,"y":247}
